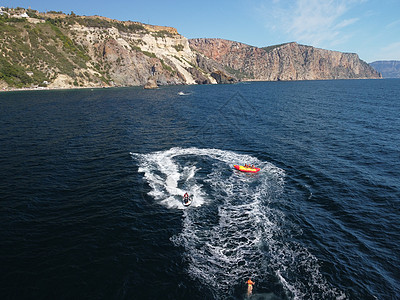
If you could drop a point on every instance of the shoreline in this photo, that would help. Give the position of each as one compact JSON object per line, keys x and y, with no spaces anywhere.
{"x":5,"y":90}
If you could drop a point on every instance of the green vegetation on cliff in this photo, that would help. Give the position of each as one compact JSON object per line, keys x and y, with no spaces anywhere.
{"x":34,"y":53}
{"x":17,"y":76}
{"x":103,"y":23}
{"x":38,"y":49}
{"x":17,"y":63}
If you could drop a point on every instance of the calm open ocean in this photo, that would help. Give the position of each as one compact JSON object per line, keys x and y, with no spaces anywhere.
{"x":91,"y":184}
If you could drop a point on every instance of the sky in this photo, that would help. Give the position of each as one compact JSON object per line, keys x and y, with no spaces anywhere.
{"x":370,"y":28}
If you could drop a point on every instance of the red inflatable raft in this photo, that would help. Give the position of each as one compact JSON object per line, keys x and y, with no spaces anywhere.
{"x":246,"y":169}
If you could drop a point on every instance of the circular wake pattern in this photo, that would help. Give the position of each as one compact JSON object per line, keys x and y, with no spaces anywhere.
{"x":234,"y":228}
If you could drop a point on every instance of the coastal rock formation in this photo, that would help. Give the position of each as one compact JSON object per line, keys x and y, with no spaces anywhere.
{"x":289,"y":61}
{"x":76,"y":51}
{"x":221,"y":77}
{"x":388,"y":68}
{"x":57,"y":50}
{"x":151,"y":84}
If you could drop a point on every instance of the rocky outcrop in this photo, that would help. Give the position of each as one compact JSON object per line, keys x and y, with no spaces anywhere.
{"x":221,"y":77}
{"x":150,"y":84}
{"x":131,"y":57}
{"x":388,"y":68}
{"x":289,"y":61}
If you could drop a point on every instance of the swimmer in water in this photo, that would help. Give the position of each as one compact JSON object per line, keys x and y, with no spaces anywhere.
{"x":249,"y":287}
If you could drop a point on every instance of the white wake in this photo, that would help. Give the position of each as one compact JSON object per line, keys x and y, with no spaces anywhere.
{"x":234,"y":228}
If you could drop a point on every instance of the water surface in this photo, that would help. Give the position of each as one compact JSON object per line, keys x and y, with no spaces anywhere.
{"x":91,"y":184}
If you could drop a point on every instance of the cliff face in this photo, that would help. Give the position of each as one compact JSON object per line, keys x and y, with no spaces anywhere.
{"x":130,"y":58}
{"x":289,"y":61}
{"x":388,"y":68}
{"x":60,"y":51}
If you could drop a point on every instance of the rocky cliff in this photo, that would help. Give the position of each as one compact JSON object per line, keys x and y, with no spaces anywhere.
{"x":60,"y":51}
{"x":388,"y":68}
{"x":289,"y":61}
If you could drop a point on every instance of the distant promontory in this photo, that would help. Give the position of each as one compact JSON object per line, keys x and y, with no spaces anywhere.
{"x":388,"y":68}
{"x":289,"y":61}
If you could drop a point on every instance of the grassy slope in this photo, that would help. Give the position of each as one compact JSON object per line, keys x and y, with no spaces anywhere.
{"x":33,"y":54}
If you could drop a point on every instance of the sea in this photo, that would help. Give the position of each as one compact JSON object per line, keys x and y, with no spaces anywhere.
{"x":91,"y":186}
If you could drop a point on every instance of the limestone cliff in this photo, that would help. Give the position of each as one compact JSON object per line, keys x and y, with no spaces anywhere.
{"x":60,"y":51}
{"x":289,"y":61}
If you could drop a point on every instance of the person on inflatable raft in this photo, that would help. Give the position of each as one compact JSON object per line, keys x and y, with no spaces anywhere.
{"x":247,"y":168}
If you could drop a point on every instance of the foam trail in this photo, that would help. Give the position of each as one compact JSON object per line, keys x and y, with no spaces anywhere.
{"x":163,"y":173}
{"x":234,"y":228}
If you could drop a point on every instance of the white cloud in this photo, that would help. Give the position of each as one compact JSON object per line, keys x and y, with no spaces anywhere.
{"x":315,"y":22}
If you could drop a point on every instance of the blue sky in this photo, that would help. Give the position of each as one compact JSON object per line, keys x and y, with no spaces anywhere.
{"x":370,"y":28}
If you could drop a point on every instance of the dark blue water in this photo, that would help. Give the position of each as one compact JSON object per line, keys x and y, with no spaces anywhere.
{"x":91,"y":184}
